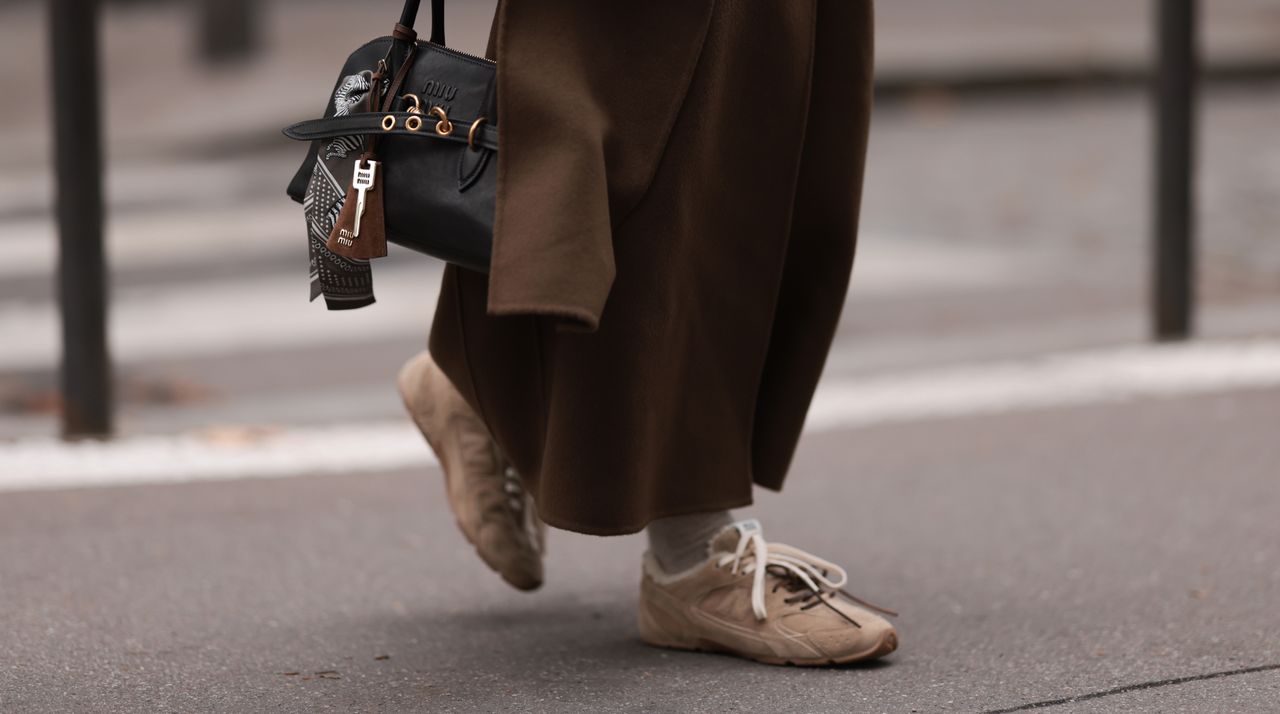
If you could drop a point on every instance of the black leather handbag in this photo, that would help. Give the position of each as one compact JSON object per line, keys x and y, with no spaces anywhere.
{"x":426,"y":115}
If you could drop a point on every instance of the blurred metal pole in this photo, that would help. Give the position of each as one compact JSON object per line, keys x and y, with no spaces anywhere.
{"x":1173,"y":284}
{"x":82,"y":278}
{"x":228,"y":29}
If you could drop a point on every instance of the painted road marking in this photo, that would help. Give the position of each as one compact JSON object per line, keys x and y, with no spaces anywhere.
{"x":1054,"y":380}
{"x":1066,"y":379}
{"x":267,"y":312}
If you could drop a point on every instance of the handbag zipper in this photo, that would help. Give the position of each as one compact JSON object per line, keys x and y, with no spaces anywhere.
{"x":460,"y":53}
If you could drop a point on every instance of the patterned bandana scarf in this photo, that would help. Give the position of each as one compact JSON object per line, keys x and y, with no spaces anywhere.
{"x":345,"y":283}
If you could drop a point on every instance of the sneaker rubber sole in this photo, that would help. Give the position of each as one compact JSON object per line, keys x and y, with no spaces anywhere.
{"x":887,"y":644}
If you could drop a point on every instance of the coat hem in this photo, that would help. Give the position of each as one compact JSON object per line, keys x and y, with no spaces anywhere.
{"x":576,"y":319}
{"x":569,"y":524}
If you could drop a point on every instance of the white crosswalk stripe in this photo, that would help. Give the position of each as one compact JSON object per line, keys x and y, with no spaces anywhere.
{"x":846,"y":403}
{"x":221,"y":316}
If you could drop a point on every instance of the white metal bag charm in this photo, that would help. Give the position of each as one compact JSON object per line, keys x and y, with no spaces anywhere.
{"x":360,"y":231}
{"x":362,"y":181}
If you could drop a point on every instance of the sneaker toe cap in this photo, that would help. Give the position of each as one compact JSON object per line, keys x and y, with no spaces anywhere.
{"x":875,"y":638}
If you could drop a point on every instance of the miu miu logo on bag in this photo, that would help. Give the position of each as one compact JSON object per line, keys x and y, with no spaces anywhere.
{"x":439,"y":90}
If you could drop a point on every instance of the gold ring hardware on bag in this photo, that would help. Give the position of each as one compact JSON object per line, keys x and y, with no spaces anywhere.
{"x":417,"y":105}
{"x":444,"y":127}
{"x":471,"y":134}
{"x":413,"y":123}
{"x":388,"y":122}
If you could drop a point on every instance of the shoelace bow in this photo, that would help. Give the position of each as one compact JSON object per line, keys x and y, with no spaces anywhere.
{"x":795,"y":569}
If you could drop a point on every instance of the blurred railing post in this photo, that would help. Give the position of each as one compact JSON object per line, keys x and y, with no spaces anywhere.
{"x":1173,"y":283}
{"x":228,"y":29}
{"x":82,"y":278}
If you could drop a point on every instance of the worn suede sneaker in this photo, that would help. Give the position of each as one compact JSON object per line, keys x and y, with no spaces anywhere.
{"x":492,"y":508}
{"x":764,"y":601}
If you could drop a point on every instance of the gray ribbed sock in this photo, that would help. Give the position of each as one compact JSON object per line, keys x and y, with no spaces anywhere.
{"x":680,"y":542}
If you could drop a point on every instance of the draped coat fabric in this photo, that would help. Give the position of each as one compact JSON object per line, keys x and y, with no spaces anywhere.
{"x":678,"y":184}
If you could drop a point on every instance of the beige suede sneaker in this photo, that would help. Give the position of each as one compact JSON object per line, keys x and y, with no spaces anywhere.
{"x":492,"y":508}
{"x":764,"y":601}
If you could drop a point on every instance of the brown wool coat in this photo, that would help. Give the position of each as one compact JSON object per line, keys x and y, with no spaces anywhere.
{"x":678,"y":201}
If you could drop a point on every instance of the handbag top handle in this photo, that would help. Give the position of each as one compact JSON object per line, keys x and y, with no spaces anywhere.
{"x":410,"y":15}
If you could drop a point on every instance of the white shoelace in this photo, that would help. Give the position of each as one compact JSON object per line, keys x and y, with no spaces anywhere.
{"x":818,"y":574}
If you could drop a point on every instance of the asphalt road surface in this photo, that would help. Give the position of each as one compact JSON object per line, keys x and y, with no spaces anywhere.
{"x":1036,"y":556}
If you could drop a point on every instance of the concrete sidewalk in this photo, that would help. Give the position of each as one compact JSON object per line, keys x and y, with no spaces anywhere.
{"x":1094,"y":556}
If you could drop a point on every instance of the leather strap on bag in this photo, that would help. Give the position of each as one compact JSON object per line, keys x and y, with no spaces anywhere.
{"x":485,"y":136}
{"x":410,"y":14}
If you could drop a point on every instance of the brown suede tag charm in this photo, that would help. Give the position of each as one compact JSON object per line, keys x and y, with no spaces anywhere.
{"x":368,"y":240}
